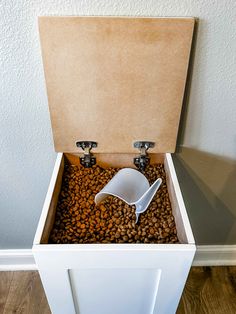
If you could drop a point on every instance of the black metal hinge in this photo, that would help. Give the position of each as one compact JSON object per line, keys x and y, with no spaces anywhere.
{"x":143,"y":160}
{"x":88,"y":160}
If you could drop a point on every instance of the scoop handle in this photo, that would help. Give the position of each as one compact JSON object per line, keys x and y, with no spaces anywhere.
{"x":143,"y":203}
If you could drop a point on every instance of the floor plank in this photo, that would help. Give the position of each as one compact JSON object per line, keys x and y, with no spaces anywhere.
{"x":5,"y":283}
{"x":209,"y":290}
{"x":26,"y":295}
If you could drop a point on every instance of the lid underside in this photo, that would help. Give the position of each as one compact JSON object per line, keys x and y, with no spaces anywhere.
{"x":115,"y":80}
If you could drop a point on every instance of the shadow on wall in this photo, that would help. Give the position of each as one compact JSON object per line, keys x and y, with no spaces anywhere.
{"x":208,"y":184}
{"x":185,"y":106}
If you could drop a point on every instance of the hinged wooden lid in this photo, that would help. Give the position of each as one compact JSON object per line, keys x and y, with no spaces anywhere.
{"x":115,"y":80}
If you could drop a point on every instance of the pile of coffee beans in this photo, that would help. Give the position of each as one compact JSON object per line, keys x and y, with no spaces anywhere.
{"x":79,"y":220}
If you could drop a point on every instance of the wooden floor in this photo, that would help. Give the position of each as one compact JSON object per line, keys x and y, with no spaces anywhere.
{"x":209,"y":290}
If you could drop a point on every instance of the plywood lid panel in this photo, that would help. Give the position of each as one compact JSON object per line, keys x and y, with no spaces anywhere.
{"x":115,"y":80}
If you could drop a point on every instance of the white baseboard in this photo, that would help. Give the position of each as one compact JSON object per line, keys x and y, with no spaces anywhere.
{"x":206,"y":255}
{"x":215,"y":255}
{"x":12,"y":260}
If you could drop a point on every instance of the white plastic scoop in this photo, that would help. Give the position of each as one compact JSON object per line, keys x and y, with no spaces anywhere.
{"x":132,"y":187}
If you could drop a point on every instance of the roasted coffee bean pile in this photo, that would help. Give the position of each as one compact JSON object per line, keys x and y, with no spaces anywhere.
{"x":79,"y":220}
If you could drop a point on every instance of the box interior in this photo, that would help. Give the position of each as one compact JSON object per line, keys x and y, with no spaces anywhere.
{"x":115,"y":160}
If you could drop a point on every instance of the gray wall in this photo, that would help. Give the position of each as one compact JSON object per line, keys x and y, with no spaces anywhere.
{"x":206,"y":164}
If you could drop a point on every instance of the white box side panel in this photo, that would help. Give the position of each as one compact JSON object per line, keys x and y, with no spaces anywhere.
{"x":48,"y":199}
{"x":178,"y":207}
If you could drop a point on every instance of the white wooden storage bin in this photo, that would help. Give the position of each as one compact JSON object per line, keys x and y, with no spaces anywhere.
{"x":114,"y":81}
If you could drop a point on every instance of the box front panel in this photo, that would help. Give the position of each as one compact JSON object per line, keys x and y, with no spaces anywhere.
{"x":116,"y":279}
{"x":115,"y":290}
